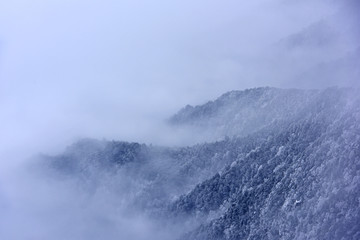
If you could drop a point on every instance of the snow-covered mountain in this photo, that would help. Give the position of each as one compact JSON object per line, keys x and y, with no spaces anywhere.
{"x":287,"y":167}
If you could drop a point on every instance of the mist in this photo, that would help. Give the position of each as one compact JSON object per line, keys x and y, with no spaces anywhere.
{"x":119,"y":69}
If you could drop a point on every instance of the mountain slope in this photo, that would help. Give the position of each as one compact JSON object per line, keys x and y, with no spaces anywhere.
{"x":290,"y":168}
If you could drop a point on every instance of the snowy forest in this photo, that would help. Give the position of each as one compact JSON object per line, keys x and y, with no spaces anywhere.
{"x":295,"y":175}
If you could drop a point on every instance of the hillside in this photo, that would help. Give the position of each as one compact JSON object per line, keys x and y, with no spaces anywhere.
{"x":289,"y":168}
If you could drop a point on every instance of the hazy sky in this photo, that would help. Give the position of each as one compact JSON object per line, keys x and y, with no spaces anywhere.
{"x":112,"y":68}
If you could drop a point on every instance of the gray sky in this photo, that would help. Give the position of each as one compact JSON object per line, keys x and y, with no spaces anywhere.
{"x":114,"y":68}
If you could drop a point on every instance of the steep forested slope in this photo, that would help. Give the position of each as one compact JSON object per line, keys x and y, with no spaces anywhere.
{"x":290,"y":168}
{"x":301,"y":183}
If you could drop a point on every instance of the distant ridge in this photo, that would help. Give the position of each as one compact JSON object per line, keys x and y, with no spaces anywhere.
{"x":239,"y":113}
